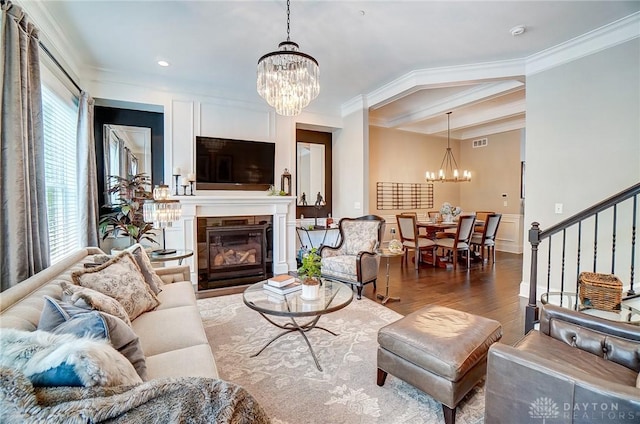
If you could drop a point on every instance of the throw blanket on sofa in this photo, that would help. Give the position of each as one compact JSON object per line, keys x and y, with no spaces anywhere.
{"x":167,"y":400}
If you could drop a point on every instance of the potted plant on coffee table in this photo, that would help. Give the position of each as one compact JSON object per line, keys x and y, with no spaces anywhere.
{"x":309,"y":274}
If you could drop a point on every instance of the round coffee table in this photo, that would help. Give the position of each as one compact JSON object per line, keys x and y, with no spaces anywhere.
{"x":333,"y":296}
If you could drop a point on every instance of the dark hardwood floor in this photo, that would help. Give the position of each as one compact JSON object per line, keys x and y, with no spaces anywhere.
{"x":490,"y":291}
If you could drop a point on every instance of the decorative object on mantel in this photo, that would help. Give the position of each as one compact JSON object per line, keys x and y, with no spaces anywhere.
{"x":127,"y":218}
{"x":448,"y":212}
{"x":309,"y":274}
{"x":176,"y":176}
{"x":273,"y":191}
{"x":448,"y":173}
{"x":162,"y":211}
{"x":318,"y":205}
{"x":285,"y":182}
{"x":191,"y":177}
{"x":287,"y":78}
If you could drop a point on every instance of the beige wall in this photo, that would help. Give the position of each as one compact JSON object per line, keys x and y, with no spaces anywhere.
{"x":401,"y":156}
{"x":495,"y":170}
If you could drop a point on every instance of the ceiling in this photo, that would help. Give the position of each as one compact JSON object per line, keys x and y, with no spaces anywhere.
{"x":362,"y":46}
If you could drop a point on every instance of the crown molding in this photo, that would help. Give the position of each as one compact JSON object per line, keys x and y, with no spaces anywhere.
{"x":493,"y":128}
{"x":610,"y":35}
{"x":445,"y":77}
{"x":468,"y":97}
{"x":354,"y":105}
{"x":51,"y":35}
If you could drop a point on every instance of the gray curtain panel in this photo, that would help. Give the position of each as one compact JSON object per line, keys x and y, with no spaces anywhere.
{"x":87,"y":173}
{"x":24,"y":236}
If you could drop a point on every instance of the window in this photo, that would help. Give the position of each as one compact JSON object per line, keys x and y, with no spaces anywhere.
{"x":60,"y":116}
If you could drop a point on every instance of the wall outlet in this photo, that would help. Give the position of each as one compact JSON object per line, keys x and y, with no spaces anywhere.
{"x":356,"y":205}
{"x":558,"y":208}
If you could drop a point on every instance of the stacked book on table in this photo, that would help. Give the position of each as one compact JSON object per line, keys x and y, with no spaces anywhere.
{"x":282,"y":284}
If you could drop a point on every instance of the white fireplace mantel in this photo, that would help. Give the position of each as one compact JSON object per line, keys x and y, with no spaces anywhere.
{"x":184,"y":233}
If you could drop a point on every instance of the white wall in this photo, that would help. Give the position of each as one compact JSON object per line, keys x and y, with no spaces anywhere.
{"x":583,"y":137}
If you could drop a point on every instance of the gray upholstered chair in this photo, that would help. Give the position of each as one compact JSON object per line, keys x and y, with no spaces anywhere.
{"x":461,"y":241}
{"x":487,"y":238}
{"x":354,"y":260}
{"x":411,"y":240}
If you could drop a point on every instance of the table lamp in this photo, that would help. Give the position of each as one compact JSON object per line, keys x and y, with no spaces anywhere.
{"x":162,"y":212}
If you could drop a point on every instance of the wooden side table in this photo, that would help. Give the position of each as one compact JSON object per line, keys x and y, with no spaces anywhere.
{"x":385,"y":253}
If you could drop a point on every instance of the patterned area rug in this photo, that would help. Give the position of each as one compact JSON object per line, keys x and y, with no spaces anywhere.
{"x":290,"y":388}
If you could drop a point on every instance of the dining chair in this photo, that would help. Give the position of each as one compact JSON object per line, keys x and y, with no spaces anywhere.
{"x":415,"y":215}
{"x":411,"y":241}
{"x":481,"y":216}
{"x":461,"y":241}
{"x":487,"y":238}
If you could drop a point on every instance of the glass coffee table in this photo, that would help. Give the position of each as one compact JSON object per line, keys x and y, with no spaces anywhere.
{"x":333,"y":296}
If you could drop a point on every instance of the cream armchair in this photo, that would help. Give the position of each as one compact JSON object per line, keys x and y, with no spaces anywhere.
{"x":354,"y":260}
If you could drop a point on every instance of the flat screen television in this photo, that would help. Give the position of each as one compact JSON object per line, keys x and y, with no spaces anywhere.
{"x":226,"y":164}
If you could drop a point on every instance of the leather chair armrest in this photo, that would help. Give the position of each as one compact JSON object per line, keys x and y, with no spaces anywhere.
{"x":172,"y":274}
{"x":519,"y":382}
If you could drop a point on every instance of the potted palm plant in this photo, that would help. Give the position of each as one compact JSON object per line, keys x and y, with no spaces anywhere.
{"x":126,"y":217}
{"x":309,"y":274}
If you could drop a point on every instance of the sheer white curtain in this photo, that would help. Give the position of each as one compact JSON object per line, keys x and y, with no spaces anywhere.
{"x":24,"y":240}
{"x":87,"y":173}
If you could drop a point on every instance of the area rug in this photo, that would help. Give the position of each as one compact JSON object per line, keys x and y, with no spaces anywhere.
{"x":290,"y":388}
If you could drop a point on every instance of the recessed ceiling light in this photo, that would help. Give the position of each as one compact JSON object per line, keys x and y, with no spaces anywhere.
{"x":163,"y":63}
{"x":517,"y":30}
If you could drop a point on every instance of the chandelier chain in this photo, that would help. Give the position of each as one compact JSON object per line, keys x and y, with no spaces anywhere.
{"x":288,"y":20}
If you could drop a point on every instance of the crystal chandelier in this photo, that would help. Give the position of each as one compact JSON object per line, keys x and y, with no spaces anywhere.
{"x":448,"y":172}
{"x":288,"y":79}
{"x":162,"y":212}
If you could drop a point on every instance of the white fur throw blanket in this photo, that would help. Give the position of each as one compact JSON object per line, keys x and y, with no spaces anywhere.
{"x":167,"y":400}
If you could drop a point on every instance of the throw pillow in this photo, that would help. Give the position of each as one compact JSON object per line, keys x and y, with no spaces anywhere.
{"x":144,"y":263}
{"x":61,"y":317}
{"x":49,"y":359}
{"x":121,"y":279}
{"x":96,"y":300}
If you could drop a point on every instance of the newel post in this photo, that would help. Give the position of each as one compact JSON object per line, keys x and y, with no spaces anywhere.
{"x":531,"y":312}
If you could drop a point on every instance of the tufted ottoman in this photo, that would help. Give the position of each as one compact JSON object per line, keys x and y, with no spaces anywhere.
{"x":441,"y":351}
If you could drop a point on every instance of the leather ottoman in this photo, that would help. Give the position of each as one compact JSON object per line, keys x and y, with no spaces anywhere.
{"x":441,"y":351}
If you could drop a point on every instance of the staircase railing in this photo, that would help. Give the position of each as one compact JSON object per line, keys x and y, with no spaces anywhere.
{"x":609,"y":227}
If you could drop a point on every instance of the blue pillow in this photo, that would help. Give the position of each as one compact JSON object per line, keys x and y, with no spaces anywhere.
{"x":56,"y":312}
{"x":62,"y":375}
{"x":65,"y":318}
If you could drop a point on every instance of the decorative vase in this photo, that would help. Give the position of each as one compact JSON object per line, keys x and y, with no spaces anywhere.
{"x":447,"y":218}
{"x":310,"y":289}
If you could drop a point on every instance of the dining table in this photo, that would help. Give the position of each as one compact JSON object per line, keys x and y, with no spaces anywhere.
{"x":434,"y":227}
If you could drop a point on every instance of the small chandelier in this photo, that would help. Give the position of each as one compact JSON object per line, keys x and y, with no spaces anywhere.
{"x":448,"y":172}
{"x":288,"y":79}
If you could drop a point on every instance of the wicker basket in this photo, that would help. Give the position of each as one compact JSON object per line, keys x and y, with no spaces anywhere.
{"x":600,"y":291}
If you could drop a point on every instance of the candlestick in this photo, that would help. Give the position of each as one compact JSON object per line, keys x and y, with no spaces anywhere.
{"x":191,"y":187}
{"x":176,"y":176}
{"x":184,"y":189}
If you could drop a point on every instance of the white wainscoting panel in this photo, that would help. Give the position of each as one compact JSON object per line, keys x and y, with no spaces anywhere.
{"x":229,"y":120}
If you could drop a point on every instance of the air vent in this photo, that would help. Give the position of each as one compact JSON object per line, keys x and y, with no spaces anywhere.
{"x":482,"y":142}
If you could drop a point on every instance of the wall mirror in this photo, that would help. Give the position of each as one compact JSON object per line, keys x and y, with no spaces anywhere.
{"x":313,"y":173}
{"x":126,"y":151}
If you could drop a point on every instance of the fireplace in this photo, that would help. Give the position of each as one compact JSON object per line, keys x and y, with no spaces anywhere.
{"x":233,"y":251}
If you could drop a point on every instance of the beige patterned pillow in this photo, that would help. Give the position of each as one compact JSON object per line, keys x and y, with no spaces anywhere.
{"x":144,"y":263}
{"x":121,"y":279}
{"x":95,"y":299}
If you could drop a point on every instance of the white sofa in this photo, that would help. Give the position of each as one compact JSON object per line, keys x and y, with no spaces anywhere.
{"x":172,"y":336}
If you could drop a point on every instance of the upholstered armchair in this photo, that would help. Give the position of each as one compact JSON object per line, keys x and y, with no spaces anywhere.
{"x":354,"y":260}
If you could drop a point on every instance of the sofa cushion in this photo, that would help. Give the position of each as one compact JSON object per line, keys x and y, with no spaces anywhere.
{"x":193,"y":361}
{"x":121,"y":279}
{"x":176,"y":294}
{"x":95,"y":299}
{"x":169,"y":329}
{"x":62,"y":317}
{"x":146,"y":268}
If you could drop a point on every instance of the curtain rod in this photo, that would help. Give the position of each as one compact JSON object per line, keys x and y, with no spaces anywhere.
{"x":55,"y":61}
{"x":64,"y":71}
